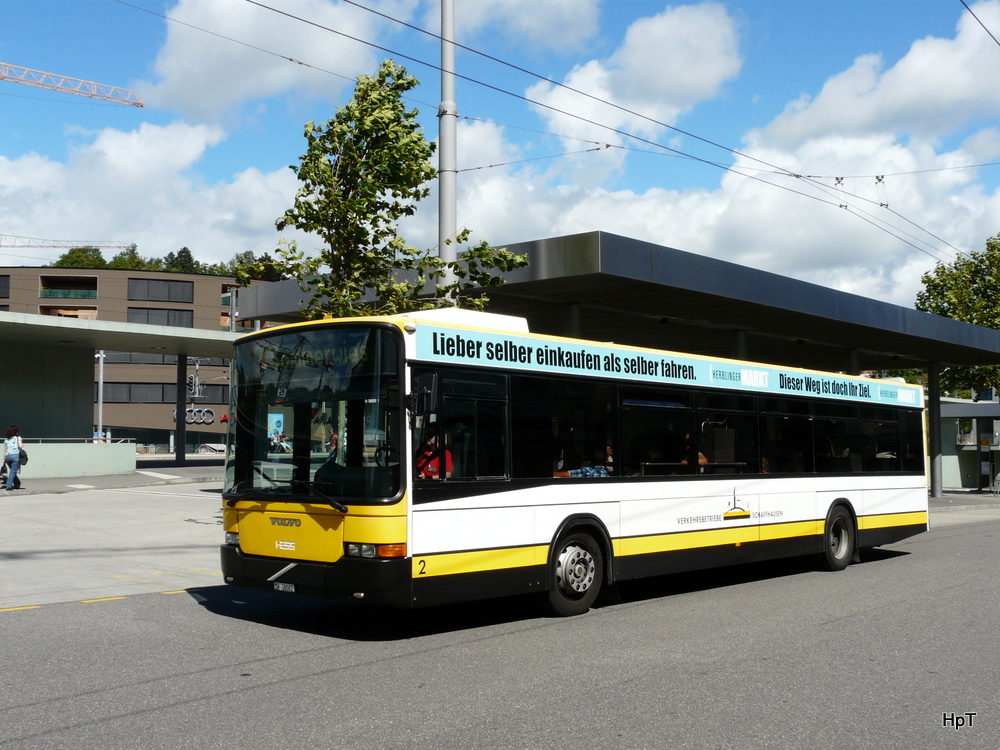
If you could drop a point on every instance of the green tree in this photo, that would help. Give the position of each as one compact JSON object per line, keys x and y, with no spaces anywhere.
{"x":130,"y":259}
{"x":968,"y":289}
{"x":81,"y":257}
{"x":183,"y":261}
{"x":364,"y":171}
{"x":247,"y":265}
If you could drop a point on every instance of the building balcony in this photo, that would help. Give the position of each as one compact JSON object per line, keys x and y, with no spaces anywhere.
{"x":68,"y":293}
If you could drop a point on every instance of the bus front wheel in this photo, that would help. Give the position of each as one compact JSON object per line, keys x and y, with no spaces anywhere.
{"x":576,"y":575}
{"x":838,"y":542}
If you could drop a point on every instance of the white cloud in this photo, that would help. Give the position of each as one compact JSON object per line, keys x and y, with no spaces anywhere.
{"x":552,"y":24}
{"x":204,"y":76}
{"x":665,"y":65}
{"x":139,"y":187}
{"x":936,"y":88}
{"x":148,"y":154}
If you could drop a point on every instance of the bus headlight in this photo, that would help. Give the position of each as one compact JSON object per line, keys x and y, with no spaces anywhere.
{"x":233,"y":538}
{"x":373,"y":551}
{"x":360,"y":550}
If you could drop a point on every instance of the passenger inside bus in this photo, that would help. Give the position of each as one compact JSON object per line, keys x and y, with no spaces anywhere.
{"x":692,"y":458}
{"x":595,"y":467}
{"x":428,"y":463}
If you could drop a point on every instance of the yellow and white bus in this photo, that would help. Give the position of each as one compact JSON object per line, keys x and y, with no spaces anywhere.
{"x":447,"y":456}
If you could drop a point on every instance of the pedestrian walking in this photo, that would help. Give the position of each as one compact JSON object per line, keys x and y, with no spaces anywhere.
{"x":12,"y":456}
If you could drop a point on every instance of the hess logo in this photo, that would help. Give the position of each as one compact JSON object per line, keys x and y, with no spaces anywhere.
{"x":286,"y":522}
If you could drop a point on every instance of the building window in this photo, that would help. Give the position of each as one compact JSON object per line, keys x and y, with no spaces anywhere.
{"x":159,"y":317}
{"x":160,"y":290}
{"x":5,"y":287}
{"x":146,"y":393}
{"x":141,"y":358}
{"x":157,"y":393}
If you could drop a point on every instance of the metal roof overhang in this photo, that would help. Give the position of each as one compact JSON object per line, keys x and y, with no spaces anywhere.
{"x":20,"y":329}
{"x":606,"y":287}
{"x":611,"y":288}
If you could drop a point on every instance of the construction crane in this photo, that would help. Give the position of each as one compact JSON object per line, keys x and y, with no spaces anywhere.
{"x":8,"y":240}
{"x":78,"y":86}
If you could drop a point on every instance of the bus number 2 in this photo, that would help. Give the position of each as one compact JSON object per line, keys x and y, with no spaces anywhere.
{"x":421,"y":567}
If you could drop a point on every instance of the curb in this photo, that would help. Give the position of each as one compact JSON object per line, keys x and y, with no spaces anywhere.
{"x":949,"y":508}
{"x":65,"y":489}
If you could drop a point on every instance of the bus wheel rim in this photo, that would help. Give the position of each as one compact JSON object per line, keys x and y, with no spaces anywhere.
{"x":838,"y":538}
{"x":576,"y":570}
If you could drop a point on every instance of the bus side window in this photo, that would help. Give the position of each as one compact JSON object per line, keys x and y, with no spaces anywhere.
{"x":559,"y":424}
{"x":787,"y":444}
{"x":476,"y":436}
{"x":730,"y":441}
{"x":912,"y":435}
{"x":468,"y":430}
{"x":836,"y":446}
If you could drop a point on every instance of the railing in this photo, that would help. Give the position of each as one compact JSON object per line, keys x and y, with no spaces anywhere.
{"x":68,"y":293}
{"x":72,"y":440}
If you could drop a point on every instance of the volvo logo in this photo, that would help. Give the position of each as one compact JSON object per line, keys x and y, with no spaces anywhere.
{"x":286,"y":522}
{"x":197,"y":416}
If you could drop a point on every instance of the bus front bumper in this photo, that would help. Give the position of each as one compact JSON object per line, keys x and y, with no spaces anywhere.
{"x":386,"y":582}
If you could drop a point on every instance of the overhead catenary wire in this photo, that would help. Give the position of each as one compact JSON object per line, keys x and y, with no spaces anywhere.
{"x":742,"y":170}
{"x":619,"y":131}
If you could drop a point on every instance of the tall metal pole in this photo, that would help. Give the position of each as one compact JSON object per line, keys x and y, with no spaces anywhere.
{"x":447,"y":122}
{"x":180,"y":409}
{"x":100,"y":396}
{"x":934,"y":427}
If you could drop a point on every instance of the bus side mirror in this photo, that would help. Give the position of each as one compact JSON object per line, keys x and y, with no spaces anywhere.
{"x":424,"y":397}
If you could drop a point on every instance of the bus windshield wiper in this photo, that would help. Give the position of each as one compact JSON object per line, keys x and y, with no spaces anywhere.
{"x":274,"y":482}
{"x":311,"y":486}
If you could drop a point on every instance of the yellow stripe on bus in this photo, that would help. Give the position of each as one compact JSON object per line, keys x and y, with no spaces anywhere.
{"x":774,"y":531}
{"x":477,"y":561}
{"x":643,"y":545}
{"x":918,"y":518}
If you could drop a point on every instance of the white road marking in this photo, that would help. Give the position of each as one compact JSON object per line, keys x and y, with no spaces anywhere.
{"x":157,"y":476}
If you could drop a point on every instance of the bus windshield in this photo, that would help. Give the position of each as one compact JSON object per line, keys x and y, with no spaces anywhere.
{"x":316,"y":415}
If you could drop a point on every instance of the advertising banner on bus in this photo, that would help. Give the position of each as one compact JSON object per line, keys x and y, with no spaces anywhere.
{"x":543,"y":354}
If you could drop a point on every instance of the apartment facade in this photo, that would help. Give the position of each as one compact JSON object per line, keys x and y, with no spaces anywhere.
{"x":139,"y":395}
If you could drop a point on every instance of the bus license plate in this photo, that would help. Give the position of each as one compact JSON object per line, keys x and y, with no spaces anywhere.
{"x":286,"y":587}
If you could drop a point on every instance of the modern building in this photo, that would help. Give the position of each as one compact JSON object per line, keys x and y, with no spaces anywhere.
{"x":138,"y":396}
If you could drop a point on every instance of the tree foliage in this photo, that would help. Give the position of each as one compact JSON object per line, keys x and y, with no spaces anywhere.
{"x":81,"y":257}
{"x":130,"y":259}
{"x":181,"y":261}
{"x":967,"y":289}
{"x":364,"y":171}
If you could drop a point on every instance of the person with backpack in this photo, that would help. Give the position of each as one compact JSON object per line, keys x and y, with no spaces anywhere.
{"x":12,"y":456}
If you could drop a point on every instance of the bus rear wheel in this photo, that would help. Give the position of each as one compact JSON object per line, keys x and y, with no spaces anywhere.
{"x":576,"y":575}
{"x":838,"y":542}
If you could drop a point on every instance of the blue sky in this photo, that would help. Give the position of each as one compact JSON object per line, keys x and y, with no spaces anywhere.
{"x":898,"y":89}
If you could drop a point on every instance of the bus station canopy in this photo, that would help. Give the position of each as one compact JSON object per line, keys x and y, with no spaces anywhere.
{"x":606,"y":287}
{"x":24,"y":331}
